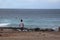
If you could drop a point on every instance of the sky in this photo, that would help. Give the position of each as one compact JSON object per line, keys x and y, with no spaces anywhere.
{"x":30,"y":4}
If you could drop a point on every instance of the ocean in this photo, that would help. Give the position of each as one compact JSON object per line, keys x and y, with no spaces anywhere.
{"x":32,"y":18}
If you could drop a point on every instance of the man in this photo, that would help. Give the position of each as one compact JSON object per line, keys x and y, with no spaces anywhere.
{"x":21,"y":25}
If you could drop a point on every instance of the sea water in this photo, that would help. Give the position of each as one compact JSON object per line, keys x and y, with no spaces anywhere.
{"x":32,"y":18}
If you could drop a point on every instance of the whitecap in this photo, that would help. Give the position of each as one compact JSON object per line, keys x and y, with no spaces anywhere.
{"x":4,"y":24}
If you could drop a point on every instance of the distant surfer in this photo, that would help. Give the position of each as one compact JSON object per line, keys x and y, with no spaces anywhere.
{"x":21,"y":25}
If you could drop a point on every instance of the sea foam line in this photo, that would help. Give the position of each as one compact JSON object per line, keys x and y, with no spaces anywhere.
{"x":4,"y":24}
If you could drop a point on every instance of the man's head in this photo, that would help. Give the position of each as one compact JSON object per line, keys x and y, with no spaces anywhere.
{"x":21,"y":20}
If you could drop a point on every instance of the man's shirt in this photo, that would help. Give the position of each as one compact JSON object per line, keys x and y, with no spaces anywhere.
{"x":21,"y":24}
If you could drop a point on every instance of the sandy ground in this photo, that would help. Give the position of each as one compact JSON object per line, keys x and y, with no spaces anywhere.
{"x":15,"y":35}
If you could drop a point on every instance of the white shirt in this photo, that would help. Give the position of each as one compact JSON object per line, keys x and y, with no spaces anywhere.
{"x":21,"y":24}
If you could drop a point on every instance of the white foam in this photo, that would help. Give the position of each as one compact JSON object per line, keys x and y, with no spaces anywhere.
{"x":4,"y":24}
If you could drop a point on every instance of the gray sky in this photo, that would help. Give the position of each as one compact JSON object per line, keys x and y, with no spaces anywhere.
{"x":30,"y":4}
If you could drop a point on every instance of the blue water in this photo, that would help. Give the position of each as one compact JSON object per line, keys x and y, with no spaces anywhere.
{"x":32,"y":18}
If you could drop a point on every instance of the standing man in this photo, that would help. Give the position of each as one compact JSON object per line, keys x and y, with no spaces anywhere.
{"x":21,"y":25}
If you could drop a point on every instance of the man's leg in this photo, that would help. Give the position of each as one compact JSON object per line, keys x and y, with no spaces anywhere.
{"x":22,"y":29}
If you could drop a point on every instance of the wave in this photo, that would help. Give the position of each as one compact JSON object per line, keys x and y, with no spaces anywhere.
{"x":4,"y":24}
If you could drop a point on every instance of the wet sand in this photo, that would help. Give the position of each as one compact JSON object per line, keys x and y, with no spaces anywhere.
{"x":16,"y":35}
